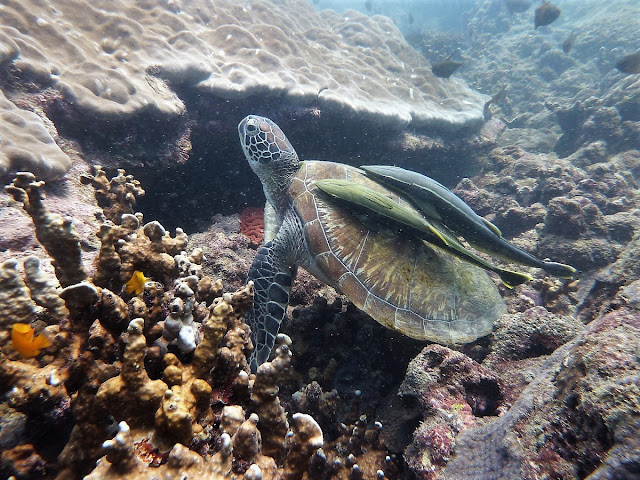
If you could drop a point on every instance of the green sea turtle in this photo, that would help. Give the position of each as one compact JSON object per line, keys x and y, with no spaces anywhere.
{"x":382,"y":265}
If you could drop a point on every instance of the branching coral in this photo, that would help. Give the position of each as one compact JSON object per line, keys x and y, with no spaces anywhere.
{"x":305,"y":439}
{"x":117,"y":196}
{"x":15,"y":296}
{"x":264,"y":395}
{"x":108,"y":355}
{"x":132,"y":396}
{"x":55,"y":233}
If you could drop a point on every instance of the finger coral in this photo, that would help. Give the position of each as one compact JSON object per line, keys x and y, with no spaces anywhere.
{"x":166,"y":361}
{"x":55,"y":233}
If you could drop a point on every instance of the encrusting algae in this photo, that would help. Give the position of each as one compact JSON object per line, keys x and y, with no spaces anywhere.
{"x":24,"y":343}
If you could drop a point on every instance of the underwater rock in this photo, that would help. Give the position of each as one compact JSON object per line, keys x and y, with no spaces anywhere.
{"x":532,"y":333}
{"x":529,"y":139}
{"x":453,"y":392}
{"x":227,"y":256}
{"x":587,"y":385}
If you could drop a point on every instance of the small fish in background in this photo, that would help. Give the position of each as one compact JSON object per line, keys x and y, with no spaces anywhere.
{"x":368,"y":4}
{"x":630,"y":63}
{"x":517,"y":6}
{"x":567,"y":45}
{"x":410,"y":18}
{"x":546,"y":14}
{"x":24,"y":343}
{"x":136,"y":283}
{"x":445,"y":68}
{"x":495,"y":100}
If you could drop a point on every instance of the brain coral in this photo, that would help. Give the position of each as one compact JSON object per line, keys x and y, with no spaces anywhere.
{"x":25,"y":142}
{"x":115,"y":58}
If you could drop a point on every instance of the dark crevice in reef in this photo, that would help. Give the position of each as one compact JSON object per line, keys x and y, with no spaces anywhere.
{"x":192,"y":166}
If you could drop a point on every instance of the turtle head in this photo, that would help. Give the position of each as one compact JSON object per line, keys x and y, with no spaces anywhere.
{"x":270,"y":156}
{"x":264,"y":145}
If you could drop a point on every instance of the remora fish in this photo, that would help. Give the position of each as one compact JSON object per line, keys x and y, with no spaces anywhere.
{"x":438,"y":202}
{"x":404,"y":218}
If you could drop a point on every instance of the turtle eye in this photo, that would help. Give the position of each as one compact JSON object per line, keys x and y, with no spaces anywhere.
{"x":252,"y":127}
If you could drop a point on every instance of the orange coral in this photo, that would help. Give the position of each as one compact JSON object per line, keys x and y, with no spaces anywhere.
{"x":252,"y":224}
{"x":24,"y":343}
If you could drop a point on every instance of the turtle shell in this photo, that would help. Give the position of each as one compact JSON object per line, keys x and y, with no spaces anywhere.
{"x":403,"y":282}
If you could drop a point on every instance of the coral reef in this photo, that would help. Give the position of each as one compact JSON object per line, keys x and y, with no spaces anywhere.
{"x":453,"y":393}
{"x":252,"y":224}
{"x":136,"y":61}
{"x":27,"y":144}
{"x":113,"y":360}
{"x":585,"y":386}
{"x":153,"y":382}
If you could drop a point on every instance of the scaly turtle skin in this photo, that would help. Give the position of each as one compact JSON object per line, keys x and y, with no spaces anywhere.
{"x":403,"y":282}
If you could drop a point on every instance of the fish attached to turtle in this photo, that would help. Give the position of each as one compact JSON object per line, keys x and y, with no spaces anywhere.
{"x":384,"y":237}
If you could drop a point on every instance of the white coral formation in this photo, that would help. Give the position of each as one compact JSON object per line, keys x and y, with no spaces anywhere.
{"x":25,"y":142}
{"x":111,"y":58}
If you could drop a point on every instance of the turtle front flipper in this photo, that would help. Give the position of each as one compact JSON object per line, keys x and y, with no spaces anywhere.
{"x":272,"y":278}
